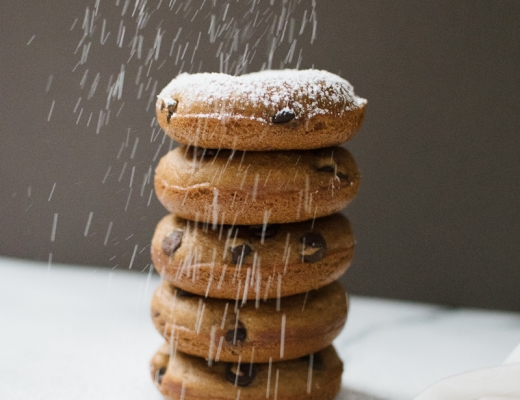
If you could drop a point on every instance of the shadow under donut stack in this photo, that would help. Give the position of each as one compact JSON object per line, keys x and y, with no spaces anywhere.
{"x":249,"y":304}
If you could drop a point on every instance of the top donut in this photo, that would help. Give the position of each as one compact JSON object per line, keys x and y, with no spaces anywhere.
{"x":267,"y":110}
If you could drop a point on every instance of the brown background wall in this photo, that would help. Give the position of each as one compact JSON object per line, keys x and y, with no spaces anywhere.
{"x":437,"y":218}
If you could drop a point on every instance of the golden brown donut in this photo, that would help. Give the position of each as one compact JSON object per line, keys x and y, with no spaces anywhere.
{"x":252,"y":262}
{"x":180,"y":376}
{"x":276,"y":329}
{"x":247,"y":188}
{"x":267,"y":110}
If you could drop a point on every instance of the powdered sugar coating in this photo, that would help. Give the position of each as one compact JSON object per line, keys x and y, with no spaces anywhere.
{"x":259,"y":96}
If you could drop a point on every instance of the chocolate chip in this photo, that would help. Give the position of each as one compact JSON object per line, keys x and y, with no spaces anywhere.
{"x":313,"y":239}
{"x":263,"y":231}
{"x":159,"y":374}
{"x":184,"y":293}
{"x":236,"y":335}
{"x":317,"y":361}
{"x":326,"y":168}
{"x":332,"y":168}
{"x":325,"y":161}
{"x":240,"y":374}
{"x":314,"y":247}
{"x":172,"y":107}
{"x":171,"y":242}
{"x":283,"y":116}
{"x":341,"y":175}
{"x":240,"y":252}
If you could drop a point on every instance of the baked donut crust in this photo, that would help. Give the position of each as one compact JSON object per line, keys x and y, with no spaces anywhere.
{"x":238,"y":262}
{"x":267,"y":110}
{"x":248,"y":188}
{"x":218,"y":330}
{"x":181,"y":376}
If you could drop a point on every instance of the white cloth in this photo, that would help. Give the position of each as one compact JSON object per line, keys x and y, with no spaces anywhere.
{"x":496,"y":383}
{"x":514,"y":356}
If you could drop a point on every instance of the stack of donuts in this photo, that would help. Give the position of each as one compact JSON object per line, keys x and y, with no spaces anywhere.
{"x":250,"y":254}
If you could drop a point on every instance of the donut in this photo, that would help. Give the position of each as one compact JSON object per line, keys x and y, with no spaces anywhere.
{"x":252,"y":262}
{"x":267,"y":110}
{"x":249,"y":188}
{"x":181,"y":376}
{"x":223,"y":330}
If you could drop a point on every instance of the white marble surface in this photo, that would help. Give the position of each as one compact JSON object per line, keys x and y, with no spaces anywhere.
{"x":80,"y":333}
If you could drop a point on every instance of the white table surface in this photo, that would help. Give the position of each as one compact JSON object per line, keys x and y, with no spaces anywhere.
{"x":71,"y":333}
